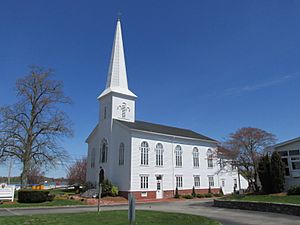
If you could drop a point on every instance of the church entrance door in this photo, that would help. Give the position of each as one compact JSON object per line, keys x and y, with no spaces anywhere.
{"x":159,"y":187}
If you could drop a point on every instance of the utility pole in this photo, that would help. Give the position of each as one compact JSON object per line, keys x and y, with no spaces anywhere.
{"x":9,"y":171}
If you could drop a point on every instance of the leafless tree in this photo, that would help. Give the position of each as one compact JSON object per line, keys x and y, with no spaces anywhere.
{"x":36,"y":175}
{"x":31,"y":130}
{"x":246,"y":146}
{"x":77,"y":172}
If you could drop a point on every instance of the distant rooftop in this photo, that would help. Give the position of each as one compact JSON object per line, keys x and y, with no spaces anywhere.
{"x":287,"y":142}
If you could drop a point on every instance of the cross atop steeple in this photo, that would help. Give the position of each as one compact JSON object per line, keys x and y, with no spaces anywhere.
{"x":117,"y":76}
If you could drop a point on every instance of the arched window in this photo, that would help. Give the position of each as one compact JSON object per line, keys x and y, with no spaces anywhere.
{"x":103,"y":151}
{"x":105,"y":112}
{"x":178,"y":156}
{"x":209,"y":154}
{"x":93,"y":154}
{"x":196,"y":157}
{"x":121,"y":154}
{"x":159,"y":154}
{"x":144,"y":153}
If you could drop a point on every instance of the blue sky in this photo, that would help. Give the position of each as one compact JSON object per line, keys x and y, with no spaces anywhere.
{"x":210,"y":66}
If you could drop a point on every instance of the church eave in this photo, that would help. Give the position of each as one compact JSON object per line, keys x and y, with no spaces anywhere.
{"x":91,"y":134}
{"x":118,"y":90}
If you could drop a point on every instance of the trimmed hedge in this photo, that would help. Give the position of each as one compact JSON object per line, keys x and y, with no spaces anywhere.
{"x":34,"y":196}
{"x":294,"y":190}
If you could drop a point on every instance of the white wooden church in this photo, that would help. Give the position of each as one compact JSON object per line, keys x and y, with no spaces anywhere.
{"x":147,"y":159}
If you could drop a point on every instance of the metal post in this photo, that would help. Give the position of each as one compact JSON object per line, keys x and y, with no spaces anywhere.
{"x":131,"y":208}
{"x":99,"y":196}
{"x":101,"y":178}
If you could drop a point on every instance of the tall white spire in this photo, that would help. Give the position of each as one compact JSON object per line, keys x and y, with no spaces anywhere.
{"x":117,"y":76}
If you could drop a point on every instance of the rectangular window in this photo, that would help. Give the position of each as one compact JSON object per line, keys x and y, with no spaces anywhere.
{"x":144,"y":182}
{"x":144,"y":155}
{"x":211,"y":182}
{"x":197,"y":181}
{"x":233,"y":166}
{"x":223,"y":182}
{"x":179,"y":182}
{"x":196,"y":160}
{"x":210,"y":163}
{"x":296,"y":165}
{"x":294,"y":152}
{"x":222,"y":164}
{"x":159,"y":157}
{"x":295,"y":159}
{"x":285,"y":161}
{"x":178,"y":159}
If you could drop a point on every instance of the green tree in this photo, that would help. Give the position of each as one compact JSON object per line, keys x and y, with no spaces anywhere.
{"x":264,"y":173}
{"x":277,"y":173}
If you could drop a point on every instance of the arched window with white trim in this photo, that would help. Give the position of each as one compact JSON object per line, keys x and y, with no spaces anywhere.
{"x":121,"y":154}
{"x":209,"y":155}
{"x":196,"y":157}
{"x":103,"y":151}
{"x":144,"y":153}
{"x":159,"y":154}
{"x":93,"y":155}
{"x":178,"y":156}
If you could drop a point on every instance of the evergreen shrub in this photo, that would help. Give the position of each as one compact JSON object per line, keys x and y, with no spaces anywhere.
{"x":34,"y":196}
{"x":294,"y":190}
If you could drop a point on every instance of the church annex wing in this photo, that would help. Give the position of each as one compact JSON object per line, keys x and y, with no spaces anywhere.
{"x":165,"y":130}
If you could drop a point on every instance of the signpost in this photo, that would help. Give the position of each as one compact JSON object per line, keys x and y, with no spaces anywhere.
{"x":7,"y":192}
{"x":131,"y":208}
{"x":101,"y":178}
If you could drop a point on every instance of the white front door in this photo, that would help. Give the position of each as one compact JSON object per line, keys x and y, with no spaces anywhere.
{"x":159,"y":187}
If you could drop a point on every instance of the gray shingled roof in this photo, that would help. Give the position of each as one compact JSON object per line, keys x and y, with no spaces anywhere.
{"x":162,"y":129}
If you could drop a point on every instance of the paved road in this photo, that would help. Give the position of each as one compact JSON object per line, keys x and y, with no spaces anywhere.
{"x":225,"y":216}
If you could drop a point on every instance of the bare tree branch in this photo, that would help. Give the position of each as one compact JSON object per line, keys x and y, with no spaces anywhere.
{"x":245,"y":147}
{"x":31,"y":129}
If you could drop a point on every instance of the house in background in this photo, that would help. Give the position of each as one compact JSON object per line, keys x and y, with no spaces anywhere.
{"x":290,"y":155}
{"x":147,"y":159}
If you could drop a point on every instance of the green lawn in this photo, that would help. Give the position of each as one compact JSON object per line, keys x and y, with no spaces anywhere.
{"x":108,"y":218}
{"x":58,"y":201}
{"x":294,"y":199}
{"x":62,"y":192}
{"x":55,"y":202}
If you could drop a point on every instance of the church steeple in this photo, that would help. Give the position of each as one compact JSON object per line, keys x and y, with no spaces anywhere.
{"x":117,"y":101}
{"x":117,"y":76}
